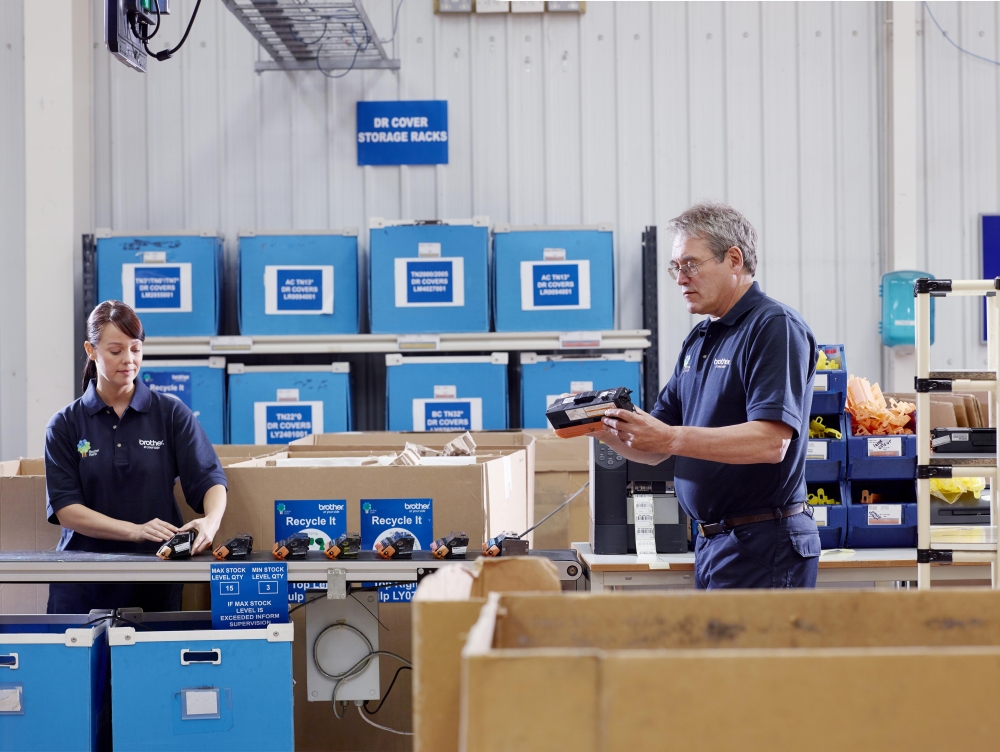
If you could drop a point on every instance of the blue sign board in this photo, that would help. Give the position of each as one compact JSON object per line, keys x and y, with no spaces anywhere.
{"x":448,"y":416}
{"x":398,"y":133}
{"x":429,"y":282}
{"x":300,"y":289}
{"x":556,"y":284}
{"x":249,"y":595}
{"x":321,"y":519}
{"x":288,"y":421}
{"x":157,"y":287}
{"x":382,"y":516}
{"x":172,"y":383}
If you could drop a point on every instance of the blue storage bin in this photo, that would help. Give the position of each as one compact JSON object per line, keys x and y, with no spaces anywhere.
{"x":172,"y":280}
{"x":176,"y":684}
{"x":892,"y":523}
{"x":406,"y":257}
{"x":278,"y":404}
{"x":430,"y":393}
{"x":830,"y":386}
{"x":545,"y":377}
{"x":52,"y":681}
{"x":553,"y":278}
{"x":299,"y":283}
{"x":831,"y":519}
{"x":826,"y":459}
{"x":862,"y":464}
{"x":199,"y":384}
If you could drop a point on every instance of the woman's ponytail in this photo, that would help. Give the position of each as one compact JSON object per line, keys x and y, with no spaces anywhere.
{"x":89,"y":373}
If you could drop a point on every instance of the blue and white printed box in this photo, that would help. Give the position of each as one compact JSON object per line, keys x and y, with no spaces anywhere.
{"x":553,"y":278}
{"x":380,"y":517}
{"x":545,"y":377}
{"x":199,"y":384}
{"x":446,"y":393}
{"x":172,"y":280}
{"x":278,"y":404}
{"x":299,"y":282}
{"x":322,"y":520}
{"x":429,"y":277}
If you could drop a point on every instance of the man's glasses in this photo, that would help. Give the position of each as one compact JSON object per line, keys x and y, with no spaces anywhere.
{"x":689,"y":269}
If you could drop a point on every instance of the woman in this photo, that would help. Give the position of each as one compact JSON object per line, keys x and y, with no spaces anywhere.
{"x":111,"y":459}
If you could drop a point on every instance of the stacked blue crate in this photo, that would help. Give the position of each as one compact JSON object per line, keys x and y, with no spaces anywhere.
{"x":830,"y":385}
{"x":826,"y":459}
{"x":831,"y":519}
{"x":199,"y":384}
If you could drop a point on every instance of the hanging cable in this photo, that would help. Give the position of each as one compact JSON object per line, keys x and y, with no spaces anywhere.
{"x":384,"y":728}
{"x":954,"y":43}
{"x":580,"y":491}
{"x":167,"y":54}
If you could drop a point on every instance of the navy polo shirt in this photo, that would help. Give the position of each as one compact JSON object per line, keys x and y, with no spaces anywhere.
{"x":755,"y":363}
{"x":126,"y":467}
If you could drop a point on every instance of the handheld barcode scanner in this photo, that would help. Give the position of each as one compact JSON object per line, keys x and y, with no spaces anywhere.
{"x":581,"y":414}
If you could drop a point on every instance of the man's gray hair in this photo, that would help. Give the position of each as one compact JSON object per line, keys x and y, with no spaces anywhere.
{"x":723,"y":227}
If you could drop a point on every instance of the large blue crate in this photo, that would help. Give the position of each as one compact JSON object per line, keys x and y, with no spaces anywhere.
{"x":278,"y":404}
{"x":172,"y":280}
{"x":52,"y":681}
{"x":864,"y":461}
{"x":830,"y":386}
{"x":460,"y":393}
{"x":553,"y":278}
{"x":199,"y":384}
{"x":890,"y":524}
{"x":826,"y":459}
{"x":299,"y":283}
{"x":831,"y":519}
{"x":177,"y":684}
{"x":545,"y":377}
{"x":429,"y":277}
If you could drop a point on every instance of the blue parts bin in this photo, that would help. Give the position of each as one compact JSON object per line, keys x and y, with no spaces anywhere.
{"x":446,"y":393}
{"x":544,"y":377}
{"x":831,"y":519}
{"x":553,"y":278}
{"x":826,"y":459}
{"x":298,"y":282}
{"x":890,"y":522}
{"x":898,"y":319}
{"x":199,"y":384}
{"x":278,"y":404}
{"x":881,"y":457}
{"x":177,"y":684}
{"x":172,"y":280}
{"x":429,"y":277}
{"x":830,"y":385}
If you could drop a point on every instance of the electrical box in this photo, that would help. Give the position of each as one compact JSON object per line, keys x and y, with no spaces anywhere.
{"x":339,"y":633}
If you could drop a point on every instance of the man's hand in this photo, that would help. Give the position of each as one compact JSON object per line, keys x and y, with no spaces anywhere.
{"x":640,"y":431}
{"x":207,"y":527}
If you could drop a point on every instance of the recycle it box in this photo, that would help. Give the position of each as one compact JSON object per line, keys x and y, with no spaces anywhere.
{"x":172,"y":280}
{"x":299,"y":283}
{"x":553,"y":278}
{"x":446,"y":393}
{"x":545,"y":377}
{"x":277,"y":404}
{"x":429,"y":277}
{"x":199,"y":384}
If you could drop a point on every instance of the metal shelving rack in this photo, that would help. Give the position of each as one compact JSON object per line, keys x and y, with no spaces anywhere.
{"x":948,"y":547}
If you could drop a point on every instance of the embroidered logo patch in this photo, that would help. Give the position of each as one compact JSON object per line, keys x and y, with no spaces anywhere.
{"x":83,"y":447}
{"x":150,"y":443}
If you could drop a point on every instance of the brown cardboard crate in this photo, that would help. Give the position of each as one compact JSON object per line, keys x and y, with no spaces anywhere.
{"x":231,"y":453}
{"x":705,"y":671}
{"x":561,"y":468}
{"x":24,"y":527}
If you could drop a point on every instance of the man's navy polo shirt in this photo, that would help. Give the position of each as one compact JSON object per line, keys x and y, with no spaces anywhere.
{"x":755,"y":363}
{"x":126,"y":467}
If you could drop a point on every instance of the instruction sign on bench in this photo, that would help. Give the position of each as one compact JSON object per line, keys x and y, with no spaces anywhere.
{"x":249,"y":595}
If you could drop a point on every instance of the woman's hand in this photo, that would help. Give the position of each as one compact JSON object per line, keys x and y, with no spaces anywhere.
{"x":155,"y":530}
{"x":207,"y":527}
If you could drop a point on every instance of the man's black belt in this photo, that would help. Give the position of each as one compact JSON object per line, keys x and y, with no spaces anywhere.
{"x":779,"y":513}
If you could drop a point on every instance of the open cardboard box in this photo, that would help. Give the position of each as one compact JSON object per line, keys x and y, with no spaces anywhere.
{"x":562,"y":466}
{"x":24,"y":527}
{"x":232,"y":453}
{"x":734,"y":670}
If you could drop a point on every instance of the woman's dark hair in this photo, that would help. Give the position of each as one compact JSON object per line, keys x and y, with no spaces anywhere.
{"x":109,"y":312}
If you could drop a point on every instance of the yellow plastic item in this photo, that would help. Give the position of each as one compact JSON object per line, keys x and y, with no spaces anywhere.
{"x":817,"y":430}
{"x":827,"y":364}
{"x":950,"y":489}
{"x":820,"y":497}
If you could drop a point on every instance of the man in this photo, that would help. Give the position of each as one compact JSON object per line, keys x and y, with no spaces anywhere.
{"x":735,"y":413}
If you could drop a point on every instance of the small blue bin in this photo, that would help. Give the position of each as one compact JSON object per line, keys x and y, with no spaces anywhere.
{"x":177,"y":684}
{"x":429,"y":393}
{"x":892,"y":523}
{"x":830,"y":386}
{"x":299,"y":283}
{"x":52,"y":681}
{"x":199,"y":384}
{"x":172,"y":280}
{"x":545,"y":377}
{"x":429,"y":277}
{"x":831,"y":519}
{"x":554,"y":278}
{"x":826,"y":459}
{"x":278,"y":404}
{"x":875,"y":458}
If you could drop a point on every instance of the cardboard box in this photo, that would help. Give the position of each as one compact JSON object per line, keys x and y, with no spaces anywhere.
{"x":24,"y":527}
{"x":230,"y":454}
{"x":561,"y":469}
{"x":625,"y":672}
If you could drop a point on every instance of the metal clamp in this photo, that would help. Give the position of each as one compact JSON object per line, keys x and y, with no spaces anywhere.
{"x":925,"y":472}
{"x":925,"y":285}
{"x":931,"y":556}
{"x":931,"y":385}
{"x":336,"y":584}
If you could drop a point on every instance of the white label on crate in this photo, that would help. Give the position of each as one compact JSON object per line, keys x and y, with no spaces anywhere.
{"x":418,"y":342}
{"x":590,"y":340}
{"x":282,"y":422}
{"x":287,"y":395}
{"x":578,"y":387}
{"x":429,"y":250}
{"x":298,"y":290}
{"x":554,"y":254}
{"x":555,"y":285}
{"x":10,"y":700}
{"x":429,"y":282}
{"x":820,"y":516}
{"x":816,"y":450}
{"x":645,"y":532}
{"x":157,"y":288}
{"x":448,"y":414}
{"x":508,"y":478}
{"x":941,"y":440}
{"x":201,"y":702}
{"x":821,"y":382}
{"x":885,"y":446}
{"x":885,"y":514}
{"x":445,"y":391}
{"x":154,"y":257}
{"x":230,"y":344}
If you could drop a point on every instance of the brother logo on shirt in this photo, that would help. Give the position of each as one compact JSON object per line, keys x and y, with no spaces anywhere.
{"x":721,"y":362}
{"x":150,"y":443}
